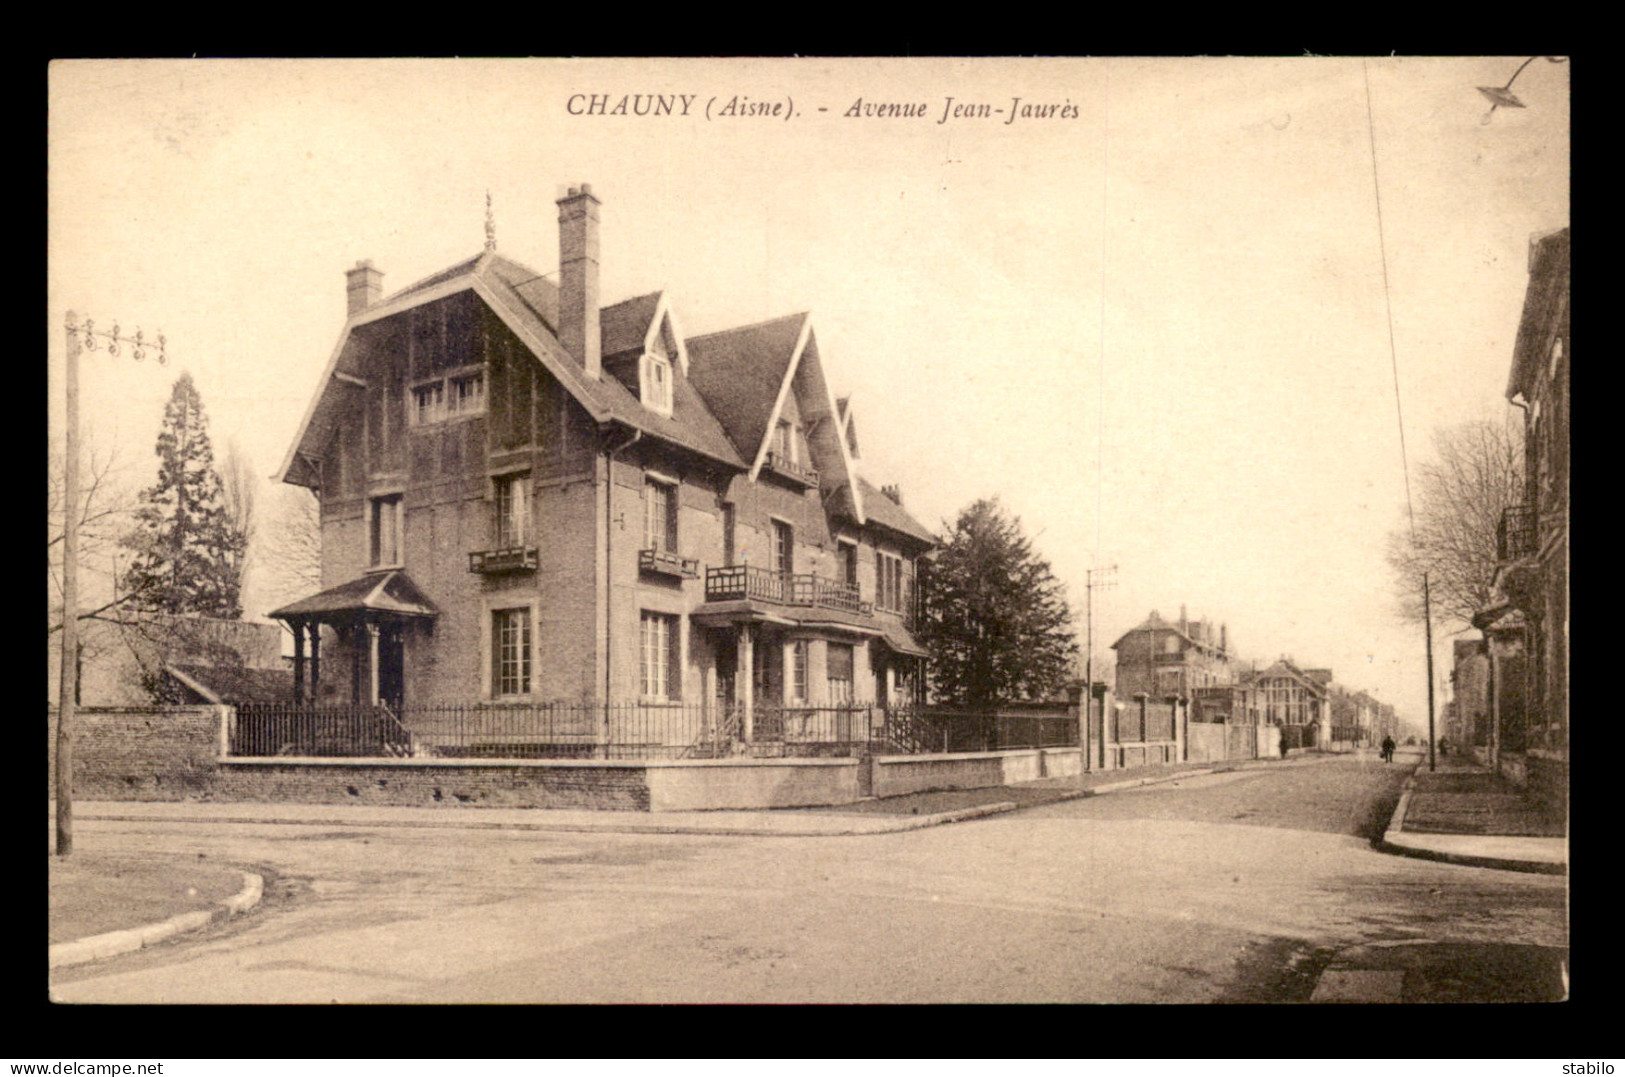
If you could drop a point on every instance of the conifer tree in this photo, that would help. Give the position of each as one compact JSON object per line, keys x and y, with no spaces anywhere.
{"x":187,"y":552}
{"x":995,"y":618}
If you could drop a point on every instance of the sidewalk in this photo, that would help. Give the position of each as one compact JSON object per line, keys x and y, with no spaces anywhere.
{"x":1464,"y":814}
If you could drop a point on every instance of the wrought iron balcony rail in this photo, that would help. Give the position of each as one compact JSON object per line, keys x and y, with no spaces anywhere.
{"x":735,"y":582}
{"x":780,"y":464}
{"x":509,"y":559}
{"x":666,"y":563}
{"x":1516,"y":533}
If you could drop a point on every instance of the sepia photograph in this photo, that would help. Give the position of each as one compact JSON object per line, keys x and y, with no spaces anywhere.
{"x":808,"y":530}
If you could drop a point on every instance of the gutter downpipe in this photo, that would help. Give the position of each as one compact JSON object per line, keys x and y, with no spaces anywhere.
{"x":609,"y":523}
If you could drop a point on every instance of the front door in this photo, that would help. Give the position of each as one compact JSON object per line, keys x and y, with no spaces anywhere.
{"x":392,"y":665}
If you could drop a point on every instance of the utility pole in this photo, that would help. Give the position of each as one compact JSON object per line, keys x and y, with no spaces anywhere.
{"x":1427,"y":618}
{"x":67,"y":691}
{"x":1108,"y":578}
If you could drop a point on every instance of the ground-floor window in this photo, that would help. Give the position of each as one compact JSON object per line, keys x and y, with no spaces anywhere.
{"x":798,"y":670}
{"x":840,"y":672}
{"x":510,"y":652}
{"x":660,"y":662}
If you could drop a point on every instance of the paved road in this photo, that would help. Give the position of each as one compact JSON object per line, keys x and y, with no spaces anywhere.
{"x":1233,"y":887}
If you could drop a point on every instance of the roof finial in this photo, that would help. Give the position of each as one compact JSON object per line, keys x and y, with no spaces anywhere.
{"x":490,"y":224}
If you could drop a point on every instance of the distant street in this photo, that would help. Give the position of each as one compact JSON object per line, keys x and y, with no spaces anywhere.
{"x":1229,"y":887}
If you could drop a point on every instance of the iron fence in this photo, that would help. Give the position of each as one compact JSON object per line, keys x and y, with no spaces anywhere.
{"x":633,"y":731}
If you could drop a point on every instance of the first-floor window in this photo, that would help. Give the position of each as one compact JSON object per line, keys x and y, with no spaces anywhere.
{"x":840,"y":672}
{"x":512,"y":510}
{"x":510,"y":652}
{"x":386,"y":530}
{"x":661,"y":663}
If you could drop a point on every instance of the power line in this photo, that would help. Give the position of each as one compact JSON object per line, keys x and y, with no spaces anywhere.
{"x":1382,"y":247}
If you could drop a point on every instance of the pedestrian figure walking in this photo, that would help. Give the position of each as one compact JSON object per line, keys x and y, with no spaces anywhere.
{"x":1388,"y":749}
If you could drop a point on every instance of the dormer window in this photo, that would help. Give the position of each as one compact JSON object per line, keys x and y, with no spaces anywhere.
{"x":656,"y":383}
{"x":784,"y":442}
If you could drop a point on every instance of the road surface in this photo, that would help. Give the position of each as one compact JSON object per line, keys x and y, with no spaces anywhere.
{"x":1231,"y":887}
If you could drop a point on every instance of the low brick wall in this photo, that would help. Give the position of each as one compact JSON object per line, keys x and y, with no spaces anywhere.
{"x":594,"y":784}
{"x":140,"y":753}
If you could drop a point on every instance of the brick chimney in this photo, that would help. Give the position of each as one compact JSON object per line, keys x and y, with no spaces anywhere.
{"x":363,"y":286}
{"x":894,"y":492}
{"x":1184,"y":622}
{"x":1224,"y":638}
{"x":578,"y":278}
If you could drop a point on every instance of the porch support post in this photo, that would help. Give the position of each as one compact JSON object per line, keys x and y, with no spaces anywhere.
{"x":299,"y":661}
{"x":745,"y":682}
{"x":372,"y":663}
{"x":315,"y":659}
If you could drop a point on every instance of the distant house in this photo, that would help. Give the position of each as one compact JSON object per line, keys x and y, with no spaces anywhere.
{"x":527,"y":496}
{"x":1528,"y":627}
{"x":1172,"y":658}
{"x":1290,"y":696}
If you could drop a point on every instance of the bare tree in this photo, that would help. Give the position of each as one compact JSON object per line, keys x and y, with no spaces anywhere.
{"x":293,"y":552}
{"x":106,"y":506}
{"x":1476,"y":473}
{"x":239,"y":485}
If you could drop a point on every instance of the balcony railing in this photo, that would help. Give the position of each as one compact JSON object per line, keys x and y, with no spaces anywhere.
{"x":736,"y":582}
{"x":510,"y":559}
{"x":782,"y":465}
{"x":666,"y":563}
{"x":1515,"y":533}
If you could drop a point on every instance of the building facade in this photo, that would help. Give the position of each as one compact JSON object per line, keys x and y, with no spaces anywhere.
{"x":527,"y":496}
{"x":1289,"y":696}
{"x":1526,"y":627}
{"x":1172,"y":658}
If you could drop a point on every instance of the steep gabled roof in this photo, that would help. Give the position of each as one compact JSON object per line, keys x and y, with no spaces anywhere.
{"x":740,"y":372}
{"x":1282,"y":668}
{"x":625,"y":326}
{"x":1155,"y":623}
{"x":528,"y":304}
{"x":882,"y":511}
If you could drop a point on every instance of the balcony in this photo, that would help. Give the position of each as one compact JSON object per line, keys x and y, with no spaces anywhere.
{"x":735,"y":583}
{"x":1516,"y":534}
{"x":510,"y":559}
{"x":785,"y":468}
{"x":666,"y":563}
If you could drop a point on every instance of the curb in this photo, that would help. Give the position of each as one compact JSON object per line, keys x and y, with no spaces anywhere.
{"x":131,"y":939}
{"x":1393,"y":842}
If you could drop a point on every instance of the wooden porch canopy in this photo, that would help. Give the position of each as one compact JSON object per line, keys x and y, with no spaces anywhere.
{"x":374,"y":598}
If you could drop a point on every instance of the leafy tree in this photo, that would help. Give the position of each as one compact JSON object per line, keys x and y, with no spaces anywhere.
{"x":1476,"y":473}
{"x":188,"y":553}
{"x":995,"y":618}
